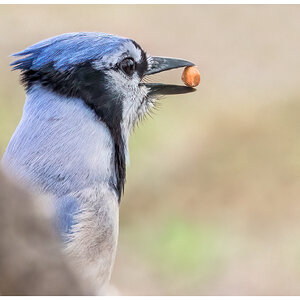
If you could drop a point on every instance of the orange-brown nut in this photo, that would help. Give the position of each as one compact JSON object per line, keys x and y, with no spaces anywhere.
{"x":190,"y":76}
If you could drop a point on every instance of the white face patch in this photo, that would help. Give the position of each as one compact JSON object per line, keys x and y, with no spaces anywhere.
{"x":135,"y":103}
{"x":132,"y":94}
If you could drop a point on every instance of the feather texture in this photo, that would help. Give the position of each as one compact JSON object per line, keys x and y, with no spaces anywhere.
{"x":68,"y":50}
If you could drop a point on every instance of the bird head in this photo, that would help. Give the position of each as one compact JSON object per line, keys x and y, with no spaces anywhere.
{"x":106,"y":72}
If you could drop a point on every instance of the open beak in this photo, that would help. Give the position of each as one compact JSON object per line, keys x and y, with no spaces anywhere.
{"x":160,"y":64}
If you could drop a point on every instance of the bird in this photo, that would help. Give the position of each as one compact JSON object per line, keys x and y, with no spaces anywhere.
{"x":85,"y":92}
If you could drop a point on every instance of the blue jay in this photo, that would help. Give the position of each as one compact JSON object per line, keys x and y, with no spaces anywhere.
{"x":84,"y":94}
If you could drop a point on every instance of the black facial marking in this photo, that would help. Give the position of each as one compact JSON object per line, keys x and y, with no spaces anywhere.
{"x":141,"y":66}
{"x":90,"y":85}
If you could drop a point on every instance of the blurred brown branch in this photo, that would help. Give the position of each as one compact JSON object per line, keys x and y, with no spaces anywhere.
{"x":31,"y":260}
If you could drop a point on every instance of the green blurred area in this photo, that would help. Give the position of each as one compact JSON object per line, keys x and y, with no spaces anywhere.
{"x":211,"y":204}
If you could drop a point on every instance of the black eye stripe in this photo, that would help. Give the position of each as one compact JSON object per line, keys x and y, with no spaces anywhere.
{"x":142,"y":66}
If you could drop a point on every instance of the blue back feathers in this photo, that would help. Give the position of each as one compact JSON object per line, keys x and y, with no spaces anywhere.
{"x":68,"y":50}
{"x":67,"y":208}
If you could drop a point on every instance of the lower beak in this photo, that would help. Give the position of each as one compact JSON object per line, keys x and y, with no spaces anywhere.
{"x":159,"y":64}
{"x":168,"y":89}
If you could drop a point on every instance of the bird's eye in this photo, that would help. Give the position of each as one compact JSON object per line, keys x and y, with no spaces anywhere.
{"x":127,"y":65}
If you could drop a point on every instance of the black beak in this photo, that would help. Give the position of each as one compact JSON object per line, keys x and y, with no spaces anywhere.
{"x":160,"y":64}
{"x":168,"y":89}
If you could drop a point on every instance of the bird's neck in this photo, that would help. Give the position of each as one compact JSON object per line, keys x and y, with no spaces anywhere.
{"x":70,"y":146}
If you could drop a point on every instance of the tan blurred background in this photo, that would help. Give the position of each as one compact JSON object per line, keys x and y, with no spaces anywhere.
{"x":211,"y":205}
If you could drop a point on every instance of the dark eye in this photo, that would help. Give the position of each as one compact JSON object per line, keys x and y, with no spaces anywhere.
{"x":127,"y":65}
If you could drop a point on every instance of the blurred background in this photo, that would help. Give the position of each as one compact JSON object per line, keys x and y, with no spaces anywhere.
{"x":211,"y":204}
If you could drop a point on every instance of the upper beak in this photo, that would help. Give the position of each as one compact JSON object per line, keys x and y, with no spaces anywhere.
{"x":160,"y":64}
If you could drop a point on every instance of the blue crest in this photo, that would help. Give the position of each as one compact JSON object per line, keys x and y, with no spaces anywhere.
{"x":67,"y":50}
